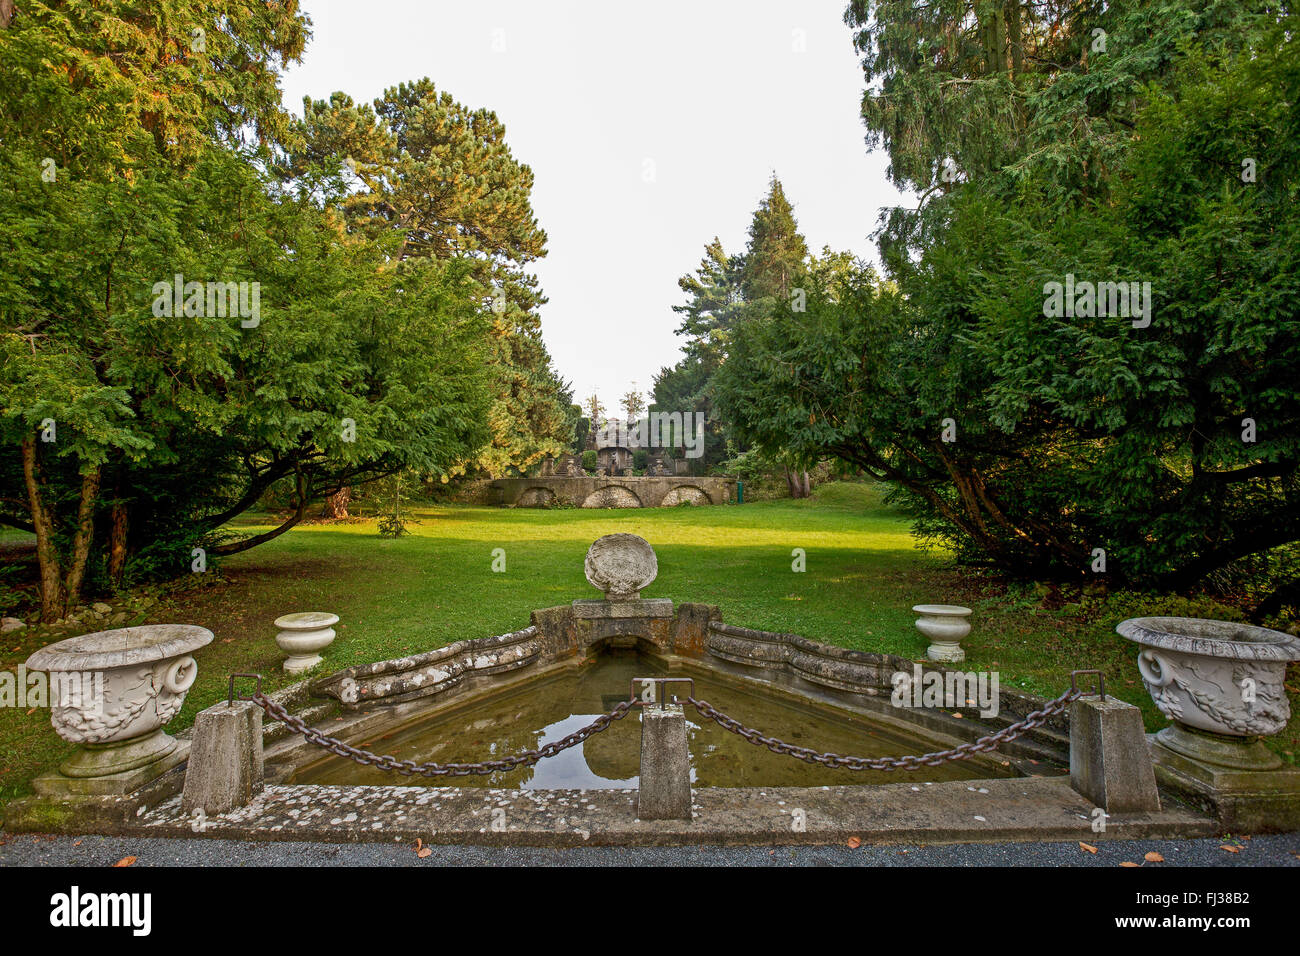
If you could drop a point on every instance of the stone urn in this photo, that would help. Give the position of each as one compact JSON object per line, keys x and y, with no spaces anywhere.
{"x":137,"y":678}
{"x":945,"y":625}
{"x":302,"y":636}
{"x":621,"y":565}
{"x":1220,"y":683}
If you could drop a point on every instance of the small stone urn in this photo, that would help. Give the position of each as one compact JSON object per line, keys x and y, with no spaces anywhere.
{"x":945,"y":625}
{"x":302,"y":636}
{"x":112,"y":692}
{"x":1220,"y":683}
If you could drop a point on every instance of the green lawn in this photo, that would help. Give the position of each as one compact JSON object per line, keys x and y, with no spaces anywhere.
{"x":864,"y":573}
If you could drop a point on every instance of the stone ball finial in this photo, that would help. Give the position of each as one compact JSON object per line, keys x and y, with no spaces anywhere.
{"x":621,"y":565}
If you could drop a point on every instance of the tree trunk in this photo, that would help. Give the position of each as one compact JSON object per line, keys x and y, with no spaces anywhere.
{"x":47,"y":555}
{"x":807,"y":485}
{"x":301,"y":497}
{"x":119,"y":528}
{"x":336,"y":505}
{"x":85,"y":534}
{"x":791,"y":482}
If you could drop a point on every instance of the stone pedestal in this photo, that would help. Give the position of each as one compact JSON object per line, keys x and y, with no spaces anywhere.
{"x":1109,"y":762}
{"x":665,"y":786}
{"x":119,"y":784}
{"x":225,"y":768}
{"x":1244,"y":801}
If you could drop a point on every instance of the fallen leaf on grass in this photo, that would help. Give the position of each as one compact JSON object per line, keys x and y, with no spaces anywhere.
{"x":125,"y":861}
{"x":1154,"y":857}
{"x":1087,"y":846}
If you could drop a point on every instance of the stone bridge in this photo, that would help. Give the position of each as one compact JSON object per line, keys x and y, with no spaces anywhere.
{"x":606,"y":492}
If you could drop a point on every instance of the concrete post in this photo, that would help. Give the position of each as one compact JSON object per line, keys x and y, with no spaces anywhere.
{"x":225,"y":768}
{"x":1109,"y":760}
{"x":664,"y":792}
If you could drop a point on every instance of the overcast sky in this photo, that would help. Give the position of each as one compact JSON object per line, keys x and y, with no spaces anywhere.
{"x":650,"y":128}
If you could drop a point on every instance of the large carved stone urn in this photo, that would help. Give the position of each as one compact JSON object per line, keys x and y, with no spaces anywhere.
{"x":128,"y":684}
{"x":1220,"y":683}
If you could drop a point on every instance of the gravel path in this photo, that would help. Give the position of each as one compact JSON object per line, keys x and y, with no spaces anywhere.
{"x":29,"y":850}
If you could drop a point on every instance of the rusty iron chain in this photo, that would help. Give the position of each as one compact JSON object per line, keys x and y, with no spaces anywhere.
{"x":528,"y":757}
{"x":964,"y":752}
{"x":410,"y":767}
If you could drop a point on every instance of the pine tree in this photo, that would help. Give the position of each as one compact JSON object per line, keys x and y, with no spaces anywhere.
{"x":441,"y":183}
{"x":777,"y":252}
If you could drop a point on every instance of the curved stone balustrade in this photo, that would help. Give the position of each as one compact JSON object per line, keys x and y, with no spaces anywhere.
{"x":423,"y":675}
{"x":854,"y":671}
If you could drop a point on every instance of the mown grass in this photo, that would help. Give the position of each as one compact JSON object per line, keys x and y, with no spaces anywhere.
{"x":435,"y":586}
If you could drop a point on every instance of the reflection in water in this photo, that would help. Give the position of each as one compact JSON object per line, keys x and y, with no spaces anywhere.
{"x":549,"y":709}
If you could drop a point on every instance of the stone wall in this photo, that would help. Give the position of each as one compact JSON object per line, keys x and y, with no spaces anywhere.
{"x":606,"y":492}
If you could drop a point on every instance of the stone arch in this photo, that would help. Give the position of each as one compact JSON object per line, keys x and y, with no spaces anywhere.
{"x":612,"y":496}
{"x":689,"y":494}
{"x":536,"y":498}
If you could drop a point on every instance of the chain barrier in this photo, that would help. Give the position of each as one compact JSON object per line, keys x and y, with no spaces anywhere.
{"x":410,"y":767}
{"x":528,"y":757}
{"x":964,"y":752}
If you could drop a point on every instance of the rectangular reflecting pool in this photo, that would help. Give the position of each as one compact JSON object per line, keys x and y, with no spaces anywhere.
{"x":535,"y":713}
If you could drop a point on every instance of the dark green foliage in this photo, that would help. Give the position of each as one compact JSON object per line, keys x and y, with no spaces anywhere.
{"x":1073,"y":434}
{"x":722,"y":292}
{"x":381,"y":342}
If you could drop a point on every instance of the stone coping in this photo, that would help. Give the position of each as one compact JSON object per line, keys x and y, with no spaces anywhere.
{"x":420,"y":675}
{"x":1021,"y":809}
{"x":121,"y":647}
{"x":1224,"y":639}
{"x":595,"y":609}
{"x":868,"y":674}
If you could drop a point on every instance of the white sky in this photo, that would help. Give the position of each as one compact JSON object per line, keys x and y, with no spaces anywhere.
{"x":713,"y":93}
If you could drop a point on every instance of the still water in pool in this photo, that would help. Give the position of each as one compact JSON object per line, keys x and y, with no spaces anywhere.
{"x":538,"y":713}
